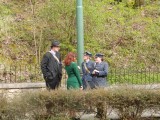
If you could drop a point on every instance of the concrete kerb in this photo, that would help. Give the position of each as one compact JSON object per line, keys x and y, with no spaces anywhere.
{"x":22,"y":85}
{"x":43,"y":85}
{"x":147,"y":86}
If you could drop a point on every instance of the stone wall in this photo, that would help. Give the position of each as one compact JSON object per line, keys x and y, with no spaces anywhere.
{"x":13,"y":89}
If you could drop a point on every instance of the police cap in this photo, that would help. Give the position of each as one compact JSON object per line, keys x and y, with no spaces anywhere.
{"x":99,"y":55}
{"x":88,"y":53}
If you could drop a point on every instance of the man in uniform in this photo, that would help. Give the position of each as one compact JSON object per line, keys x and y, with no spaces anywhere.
{"x":51,"y":66}
{"x":87,"y":69}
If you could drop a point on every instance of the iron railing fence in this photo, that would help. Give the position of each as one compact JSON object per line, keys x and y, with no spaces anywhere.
{"x":134,"y":76}
{"x":20,"y":73}
{"x":32,"y":73}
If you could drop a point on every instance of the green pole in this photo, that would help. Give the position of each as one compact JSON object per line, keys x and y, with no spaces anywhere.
{"x":80,"y":34}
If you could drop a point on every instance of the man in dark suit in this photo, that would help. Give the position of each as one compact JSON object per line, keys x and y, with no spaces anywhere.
{"x":51,"y":66}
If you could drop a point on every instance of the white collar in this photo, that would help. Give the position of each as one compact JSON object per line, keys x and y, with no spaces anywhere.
{"x":52,"y":52}
{"x":99,"y":62}
{"x":87,"y":61}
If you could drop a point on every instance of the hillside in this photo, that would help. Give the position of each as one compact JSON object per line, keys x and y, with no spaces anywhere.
{"x":127,"y":35}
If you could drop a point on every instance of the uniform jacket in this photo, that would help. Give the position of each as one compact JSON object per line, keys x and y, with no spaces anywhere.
{"x":90,"y":66}
{"x":100,"y":78}
{"x":51,"y":69}
{"x":102,"y":68}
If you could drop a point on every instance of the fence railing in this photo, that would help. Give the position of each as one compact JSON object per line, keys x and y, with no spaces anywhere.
{"x":134,"y":76}
{"x":20,"y":73}
{"x":32,"y":73}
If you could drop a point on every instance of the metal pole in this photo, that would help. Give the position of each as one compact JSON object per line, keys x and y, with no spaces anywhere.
{"x":80,"y":34}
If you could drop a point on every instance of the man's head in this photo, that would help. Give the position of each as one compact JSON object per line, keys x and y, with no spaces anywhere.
{"x":55,"y":45}
{"x":87,"y":55}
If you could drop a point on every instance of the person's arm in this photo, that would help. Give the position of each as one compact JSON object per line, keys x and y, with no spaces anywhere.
{"x":92,"y":69}
{"x":105,"y":70}
{"x":60,"y":65}
{"x":77,"y":73}
{"x":83,"y":70}
{"x":44,"y":64}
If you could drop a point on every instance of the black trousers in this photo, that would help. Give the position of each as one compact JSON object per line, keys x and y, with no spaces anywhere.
{"x":54,"y":84}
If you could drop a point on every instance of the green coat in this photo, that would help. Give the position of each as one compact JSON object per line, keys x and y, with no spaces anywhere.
{"x":74,"y":80}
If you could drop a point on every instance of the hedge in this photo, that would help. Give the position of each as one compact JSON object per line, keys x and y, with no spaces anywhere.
{"x":129,"y":104}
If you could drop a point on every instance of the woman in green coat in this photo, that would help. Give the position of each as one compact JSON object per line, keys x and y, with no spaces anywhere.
{"x":74,"y":80}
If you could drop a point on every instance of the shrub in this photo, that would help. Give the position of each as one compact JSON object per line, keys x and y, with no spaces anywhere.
{"x":128,"y":103}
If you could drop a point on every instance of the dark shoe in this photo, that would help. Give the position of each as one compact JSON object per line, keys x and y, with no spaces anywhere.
{"x":89,"y":111}
{"x":74,"y":118}
{"x":77,"y":118}
{"x":98,"y":116}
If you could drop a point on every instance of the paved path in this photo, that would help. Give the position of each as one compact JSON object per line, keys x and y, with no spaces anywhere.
{"x":42,"y":85}
{"x":113,"y":115}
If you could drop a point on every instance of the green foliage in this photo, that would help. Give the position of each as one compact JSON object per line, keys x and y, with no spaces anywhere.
{"x":127,"y":36}
{"x":60,"y":19}
{"x":133,"y":76}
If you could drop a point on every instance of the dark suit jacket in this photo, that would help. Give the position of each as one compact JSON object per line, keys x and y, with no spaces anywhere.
{"x":51,"y":69}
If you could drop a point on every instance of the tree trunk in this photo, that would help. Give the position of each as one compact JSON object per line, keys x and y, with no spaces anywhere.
{"x":138,"y":3}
